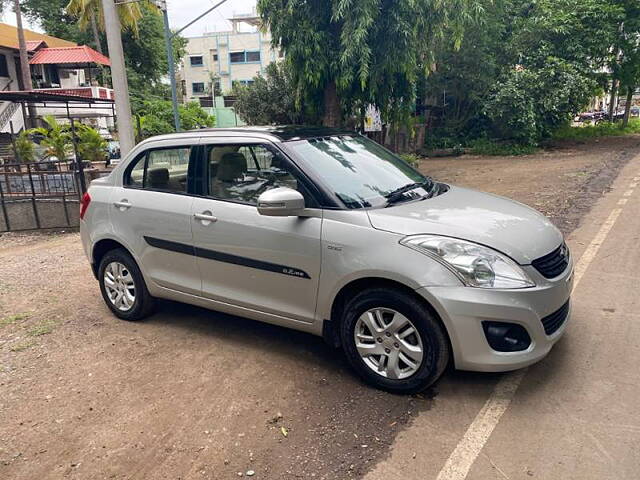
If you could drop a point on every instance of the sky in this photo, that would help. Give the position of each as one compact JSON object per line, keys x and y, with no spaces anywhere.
{"x":182,"y":12}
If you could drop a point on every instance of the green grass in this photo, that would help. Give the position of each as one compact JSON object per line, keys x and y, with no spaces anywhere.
{"x":484,"y":146}
{"x":603,"y":129}
{"x":13,"y":318}
{"x":42,"y":328}
{"x":19,"y":347}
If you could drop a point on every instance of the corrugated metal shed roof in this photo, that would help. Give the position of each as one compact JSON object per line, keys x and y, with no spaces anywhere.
{"x":34,"y":44}
{"x":74,"y":55}
{"x":9,"y":37}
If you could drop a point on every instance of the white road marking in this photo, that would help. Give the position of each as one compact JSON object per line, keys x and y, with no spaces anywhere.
{"x":623,"y":201}
{"x":592,"y":250}
{"x":628,"y":193}
{"x":459,"y":463}
{"x":473,"y":441}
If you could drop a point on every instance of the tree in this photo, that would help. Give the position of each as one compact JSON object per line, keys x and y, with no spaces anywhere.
{"x":270,"y":99}
{"x":90,"y":15}
{"x":56,"y":138}
{"x":91,"y":145}
{"x":346,"y":54}
{"x":25,"y":149}
{"x":156,"y":117}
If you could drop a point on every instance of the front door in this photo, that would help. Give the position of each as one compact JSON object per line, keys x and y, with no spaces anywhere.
{"x":269,"y":264}
{"x":153,"y":212}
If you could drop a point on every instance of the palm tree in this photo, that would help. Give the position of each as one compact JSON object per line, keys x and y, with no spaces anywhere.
{"x":22,"y":43}
{"x":25,"y":69}
{"x":56,"y":138}
{"x":89,"y":15}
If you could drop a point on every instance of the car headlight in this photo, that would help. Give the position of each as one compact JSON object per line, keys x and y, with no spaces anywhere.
{"x":476,"y":265}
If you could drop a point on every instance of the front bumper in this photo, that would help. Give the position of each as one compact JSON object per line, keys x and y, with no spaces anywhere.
{"x":463,"y":309}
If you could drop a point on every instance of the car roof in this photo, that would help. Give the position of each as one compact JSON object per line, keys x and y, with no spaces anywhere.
{"x":283,"y":133}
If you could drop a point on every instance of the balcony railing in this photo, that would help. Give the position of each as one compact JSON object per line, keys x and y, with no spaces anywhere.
{"x":86,"y":92}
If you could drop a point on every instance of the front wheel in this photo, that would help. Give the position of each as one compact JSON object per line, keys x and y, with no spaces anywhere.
{"x":393,"y":341}
{"x":123,"y":287}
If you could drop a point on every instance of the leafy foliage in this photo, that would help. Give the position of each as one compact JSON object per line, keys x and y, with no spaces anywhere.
{"x":24,"y":147}
{"x":156,"y":117}
{"x":526,"y":105}
{"x":56,"y":139}
{"x":345,"y":53}
{"x":91,"y":145}
{"x":603,"y":129}
{"x":269,"y":100}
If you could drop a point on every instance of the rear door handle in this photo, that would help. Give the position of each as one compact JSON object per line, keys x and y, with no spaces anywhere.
{"x":123,"y":204}
{"x":206,"y":217}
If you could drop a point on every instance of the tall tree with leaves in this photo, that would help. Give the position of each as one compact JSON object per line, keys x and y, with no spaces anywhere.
{"x":89,"y":14}
{"x":348,"y":53}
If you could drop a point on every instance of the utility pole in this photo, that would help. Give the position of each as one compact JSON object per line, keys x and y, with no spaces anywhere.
{"x":162,"y":5}
{"x":168,"y":36}
{"x":119,"y":76}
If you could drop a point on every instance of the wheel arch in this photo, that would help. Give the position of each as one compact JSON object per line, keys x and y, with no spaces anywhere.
{"x":101,"y":248}
{"x":330,"y":327}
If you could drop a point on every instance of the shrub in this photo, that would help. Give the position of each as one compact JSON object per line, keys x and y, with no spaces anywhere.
{"x":25,"y":148}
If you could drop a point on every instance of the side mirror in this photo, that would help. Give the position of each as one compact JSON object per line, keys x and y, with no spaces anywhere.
{"x":281,"y":202}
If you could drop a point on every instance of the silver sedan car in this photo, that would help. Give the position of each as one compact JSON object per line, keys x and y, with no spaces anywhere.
{"x":327,"y":232}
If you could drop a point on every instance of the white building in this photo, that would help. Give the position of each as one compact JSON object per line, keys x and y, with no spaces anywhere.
{"x":222,"y":58}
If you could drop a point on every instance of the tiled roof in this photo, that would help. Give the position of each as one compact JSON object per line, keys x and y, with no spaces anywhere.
{"x":75,"y":55}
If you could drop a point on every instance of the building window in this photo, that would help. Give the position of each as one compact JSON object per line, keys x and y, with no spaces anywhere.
{"x":197,"y":87}
{"x":4,"y":68}
{"x":246,"y":83}
{"x":215,"y":57}
{"x":253,"y":56}
{"x":196,"y":61}
{"x":244,"y":57}
{"x":236,"y":57}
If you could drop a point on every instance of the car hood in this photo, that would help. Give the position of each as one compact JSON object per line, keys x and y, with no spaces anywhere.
{"x":510,"y":227}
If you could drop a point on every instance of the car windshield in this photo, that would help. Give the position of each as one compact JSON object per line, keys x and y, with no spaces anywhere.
{"x":360,"y":172}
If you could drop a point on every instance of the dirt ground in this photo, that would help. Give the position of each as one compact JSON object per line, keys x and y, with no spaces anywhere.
{"x":192,"y":394}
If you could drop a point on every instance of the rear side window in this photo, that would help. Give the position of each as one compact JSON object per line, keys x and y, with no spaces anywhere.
{"x":165,"y":169}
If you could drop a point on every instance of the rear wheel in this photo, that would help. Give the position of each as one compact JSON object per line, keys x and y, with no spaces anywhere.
{"x":393,"y":340}
{"x":123,"y":287}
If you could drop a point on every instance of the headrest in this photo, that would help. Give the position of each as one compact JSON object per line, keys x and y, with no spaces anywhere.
{"x":232,"y":165}
{"x":158,"y":176}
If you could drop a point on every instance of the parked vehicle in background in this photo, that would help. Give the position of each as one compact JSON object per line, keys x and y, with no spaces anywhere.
{"x":327,"y":232}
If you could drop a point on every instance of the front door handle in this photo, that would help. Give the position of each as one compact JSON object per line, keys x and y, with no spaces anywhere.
{"x":205,"y":217}
{"x":122,"y":204}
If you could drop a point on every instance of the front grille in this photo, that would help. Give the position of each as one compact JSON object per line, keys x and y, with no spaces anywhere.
{"x":554,"y":263}
{"x":553,"y":322}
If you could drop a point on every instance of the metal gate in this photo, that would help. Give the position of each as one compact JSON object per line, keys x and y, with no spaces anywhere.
{"x":39,"y":195}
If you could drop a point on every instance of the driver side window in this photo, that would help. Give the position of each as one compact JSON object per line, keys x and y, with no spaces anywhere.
{"x":241,"y":173}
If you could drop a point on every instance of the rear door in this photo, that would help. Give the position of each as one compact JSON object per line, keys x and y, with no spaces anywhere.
{"x":152,"y":211}
{"x":269,"y":264}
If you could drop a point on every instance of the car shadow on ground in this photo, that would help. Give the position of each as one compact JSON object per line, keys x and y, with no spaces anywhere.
{"x":298,"y":346}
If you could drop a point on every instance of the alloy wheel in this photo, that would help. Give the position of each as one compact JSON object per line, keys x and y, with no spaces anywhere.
{"x":388,"y":343}
{"x":120,"y":287}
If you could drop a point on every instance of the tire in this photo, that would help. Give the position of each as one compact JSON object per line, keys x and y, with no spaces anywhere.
{"x":428,"y":333}
{"x":142,"y":304}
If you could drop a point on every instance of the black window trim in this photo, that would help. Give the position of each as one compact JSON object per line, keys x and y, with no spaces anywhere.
{"x":308,"y":185}
{"x":192,"y":175}
{"x":191,"y":57}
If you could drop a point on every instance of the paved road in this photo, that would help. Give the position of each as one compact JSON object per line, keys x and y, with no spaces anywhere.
{"x":576,"y":414}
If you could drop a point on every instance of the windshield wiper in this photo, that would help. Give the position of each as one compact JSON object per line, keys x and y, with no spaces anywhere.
{"x":398,"y":194}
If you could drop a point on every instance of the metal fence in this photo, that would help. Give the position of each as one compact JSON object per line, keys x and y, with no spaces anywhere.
{"x":39,"y":195}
